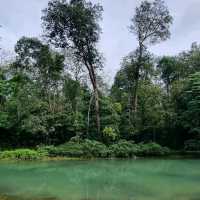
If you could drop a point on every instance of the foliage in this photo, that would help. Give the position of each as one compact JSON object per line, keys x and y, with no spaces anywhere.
{"x":128,"y":149}
{"x":190,"y":107}
{"x":151,"y":22}
{"x":152,"y":149}
{"x":123,"y":149}
{"x":94,"y":149}
{"x":44,"y":151}
{"x":192,"y":145}
{"x":171,"y":70}
{"x":75,"y":25}
{"x":109,"y":135}
{"x":69,"y":149}
{"x":20,"y":154}
{"x":47,"y":103}
{"x":86,"y":148}
{"x":38,"y":62}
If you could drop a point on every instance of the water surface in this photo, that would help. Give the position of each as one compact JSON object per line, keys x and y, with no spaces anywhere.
{"x":101,"y":180}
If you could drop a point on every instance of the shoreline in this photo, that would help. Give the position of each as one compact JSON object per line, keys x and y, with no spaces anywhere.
{"x":177,"y":156}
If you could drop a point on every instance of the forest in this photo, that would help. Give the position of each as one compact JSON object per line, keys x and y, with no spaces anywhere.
{"x":55,"y":98}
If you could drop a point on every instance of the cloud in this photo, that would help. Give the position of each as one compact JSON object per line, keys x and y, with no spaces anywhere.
{"x":23,"y":18}
{"x":189,"y":21}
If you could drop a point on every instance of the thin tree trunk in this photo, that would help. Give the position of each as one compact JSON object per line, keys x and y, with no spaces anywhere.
{"x":137,"y":75}
{"x":96,"y":99}
{"x":135,"y":96}
{"x":96,"y":95}
{"x":88,"y":120}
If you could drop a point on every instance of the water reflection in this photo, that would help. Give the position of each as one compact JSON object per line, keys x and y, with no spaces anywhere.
{"x":101,"y":180}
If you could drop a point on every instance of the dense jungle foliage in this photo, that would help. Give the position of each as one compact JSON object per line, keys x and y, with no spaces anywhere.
{"x":53,"y":90}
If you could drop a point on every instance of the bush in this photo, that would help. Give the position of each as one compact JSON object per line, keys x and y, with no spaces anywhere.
{"x":128,"y":149}
{"x":20,"y":154}
{"x":192,"y":145}
{"x":44,"y":151}
{"x":152,"y":149}
{"x":109,"y":135}
{"x":123,"y":149}
{"x":93,"y":148}
{"x":86,"y":148}
{"x":69,"y":149}
{"x":76,"y":139}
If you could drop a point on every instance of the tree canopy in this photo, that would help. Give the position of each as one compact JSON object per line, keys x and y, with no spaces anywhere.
{"x":53,"y":92}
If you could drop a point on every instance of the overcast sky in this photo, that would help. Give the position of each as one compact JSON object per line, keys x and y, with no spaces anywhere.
{"x":22,"y":18}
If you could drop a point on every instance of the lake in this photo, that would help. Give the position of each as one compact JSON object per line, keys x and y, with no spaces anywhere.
{"x":142,"y":179}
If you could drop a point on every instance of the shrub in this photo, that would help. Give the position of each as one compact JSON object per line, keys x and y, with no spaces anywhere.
{"x":123,"y":149}
{"x":117,"y":107}
{"x":69,"y":149}
{"x":109,"y":135}
{"x":192,"y":145}
{"x":76,"y":139}
{"x":20,"y":154}
{"x":152,"y":149}
{"x":44,"y":151}
{"x":93,"y":148}
{"x":86,"y":148}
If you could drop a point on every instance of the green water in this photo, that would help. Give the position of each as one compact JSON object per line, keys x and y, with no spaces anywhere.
{"x":102,"y":180}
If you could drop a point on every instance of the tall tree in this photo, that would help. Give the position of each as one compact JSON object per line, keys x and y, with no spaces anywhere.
{"x":41,"y":65}
{"x":74,"y":25}
{"x":189,"y":105}
{"x":169,"y":69}
{"x":150,"y":24}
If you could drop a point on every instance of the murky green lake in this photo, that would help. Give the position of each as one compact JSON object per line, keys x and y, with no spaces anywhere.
{"x":101,"y":180}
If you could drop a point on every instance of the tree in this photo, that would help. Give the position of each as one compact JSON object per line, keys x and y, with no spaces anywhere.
{"x":6,"y":92}
{"x":189,"y":106}
{"x":125,"y":81}
{"x":38,"y":62}
{"x":75,"y":25}
{"x":150,"y":107}
{"x":170,"y":69}
{"x":190,"y":60}
{"x":150,"y":111}
{"x":151,"y":25}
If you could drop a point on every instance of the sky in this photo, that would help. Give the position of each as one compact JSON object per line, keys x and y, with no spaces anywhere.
{"x":23,"y":18}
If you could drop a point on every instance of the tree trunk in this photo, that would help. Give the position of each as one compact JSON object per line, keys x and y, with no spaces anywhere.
{"x":135,"y":95}
{"x":137,"y":75}
{"x":88,"y":120}
{"x":96,"y":98}
{"x":96,"y":95}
